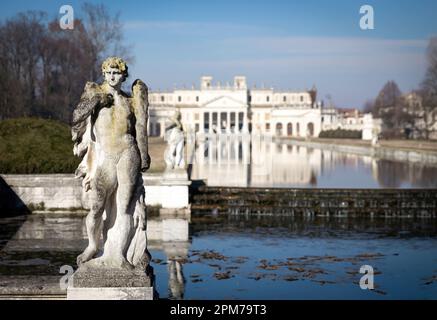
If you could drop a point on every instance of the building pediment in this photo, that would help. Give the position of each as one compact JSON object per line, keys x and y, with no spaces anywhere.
{"x":224,"y":102}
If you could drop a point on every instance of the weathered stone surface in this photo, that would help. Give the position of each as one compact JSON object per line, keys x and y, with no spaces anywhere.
{"x":104,"y":283}
{"x":317,"y":202}
{"x":129,"y":293}
{"x":37,"y":192}
{"x":26,"y":285}
{"x":111,"y":278}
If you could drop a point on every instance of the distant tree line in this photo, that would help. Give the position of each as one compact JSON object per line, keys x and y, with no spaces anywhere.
{"x":43,"y":69}
{"x":402,"y":115}
{"x":341,"y":134}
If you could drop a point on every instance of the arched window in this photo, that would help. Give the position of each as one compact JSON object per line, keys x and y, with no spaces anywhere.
{"x":279,"y":129}
{"x":157,"y":129}
{"x":162,"y":98}
{"x":267,"y":98}
{"x":289,"y":129}
{"x":310,"y":129}
{"x":284,"y":99}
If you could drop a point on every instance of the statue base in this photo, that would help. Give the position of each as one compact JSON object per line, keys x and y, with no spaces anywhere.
{"x":173,"y":182}
{"x":112,"y":284}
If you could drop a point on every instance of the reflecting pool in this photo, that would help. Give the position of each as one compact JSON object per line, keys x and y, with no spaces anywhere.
{"x":234,"y":257}
{"x":268,"y":163}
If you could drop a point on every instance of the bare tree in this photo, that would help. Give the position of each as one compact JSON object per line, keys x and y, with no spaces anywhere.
{"x":390,"y":107}
{"x":368,"y":106}
{"x":43,"y":68}
{"x":428,"y":88}
{"x":105,"y":33}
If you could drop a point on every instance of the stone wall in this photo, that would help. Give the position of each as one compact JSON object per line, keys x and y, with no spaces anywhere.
{"x":316,"y":202}
{"x":62,"y":192}
{"x":425,"y":157}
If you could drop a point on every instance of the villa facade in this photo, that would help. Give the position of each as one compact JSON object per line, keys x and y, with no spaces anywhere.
{"x":236,"y":109}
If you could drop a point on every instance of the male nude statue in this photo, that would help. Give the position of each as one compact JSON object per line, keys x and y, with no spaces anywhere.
{"x":174,"y":135}
{"x":110,"y":132}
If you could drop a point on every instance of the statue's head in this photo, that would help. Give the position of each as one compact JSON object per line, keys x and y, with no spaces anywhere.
{"x":177,"y":115}
{"x":114,"y":71}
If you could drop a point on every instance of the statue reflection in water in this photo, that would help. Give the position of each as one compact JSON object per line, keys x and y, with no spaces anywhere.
{"x":176,"y":279}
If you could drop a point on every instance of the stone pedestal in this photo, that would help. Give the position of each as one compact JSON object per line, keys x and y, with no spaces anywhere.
{"x":111,"y":284}
{"x":169,"y":190}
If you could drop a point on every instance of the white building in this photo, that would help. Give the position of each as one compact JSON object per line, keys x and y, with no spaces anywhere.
{"x":236,"y":109}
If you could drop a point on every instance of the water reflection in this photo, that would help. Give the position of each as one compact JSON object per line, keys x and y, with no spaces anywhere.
{"x":263,"y":162}
{"x":40,"y":244}
{"x":237,"y":257}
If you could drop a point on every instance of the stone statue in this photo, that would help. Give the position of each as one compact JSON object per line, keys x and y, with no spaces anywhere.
{"x":110,"y":133}
{"x":375,"y":138}
{"x":174,"y":135}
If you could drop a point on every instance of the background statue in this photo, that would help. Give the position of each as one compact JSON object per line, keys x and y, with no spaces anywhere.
{"x":110,"y":133}
{"x":174,"y":135}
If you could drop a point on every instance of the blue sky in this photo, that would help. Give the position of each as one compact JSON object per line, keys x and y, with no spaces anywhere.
{"x":281,"y":44}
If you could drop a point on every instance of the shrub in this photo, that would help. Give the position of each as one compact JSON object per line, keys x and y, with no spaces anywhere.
{"x":341,"y":134}
{"x":32,"y":145}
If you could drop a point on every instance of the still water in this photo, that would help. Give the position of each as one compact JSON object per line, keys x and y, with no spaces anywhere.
{"x":231,"y":257}
{"x":270,"y":164}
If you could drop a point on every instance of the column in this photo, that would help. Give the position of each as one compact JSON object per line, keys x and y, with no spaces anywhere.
{"x":245,"y":124}
{"x":162,"y":128}
{"x":228,"y":122}
{"x":202,"y":123}
{"x":210,"y":122}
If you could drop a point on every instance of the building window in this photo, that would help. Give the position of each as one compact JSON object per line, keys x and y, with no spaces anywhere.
{"x":233,"y":120}
{"x":267,"y":98}
{"x":297,"y":129}
{"x":279,"y":129}
{"x":197,"y":98}
{"x":267,"y":127}
{"x":214,"y":122}
{"x":206,"y":121}
{"x":289,"y":129}
{"x":301,"y":98}
{"x":284,"y":99}
{"x":310,"y":129}
{"x":223,"y":120}
{"x":196,"y":128}
{"x":179,"y":99}
{"x":157,"y":130}
{"x":162,"y":98}
{"x":240,"y":120}
{"x":249,"y":98}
